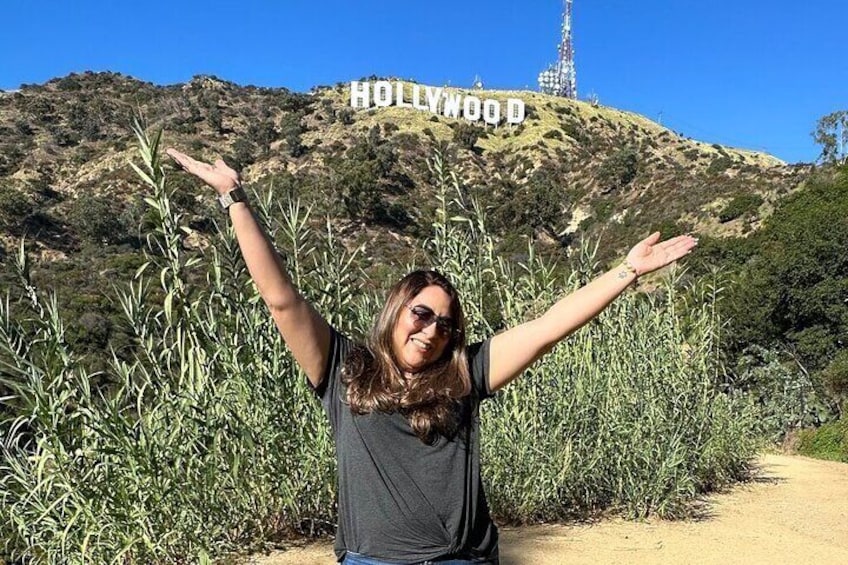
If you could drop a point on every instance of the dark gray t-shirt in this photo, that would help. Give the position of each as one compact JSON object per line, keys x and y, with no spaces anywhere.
{"x":400,"y":499}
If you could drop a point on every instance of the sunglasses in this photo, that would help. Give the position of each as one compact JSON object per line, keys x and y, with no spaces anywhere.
{"x":424,"y":317}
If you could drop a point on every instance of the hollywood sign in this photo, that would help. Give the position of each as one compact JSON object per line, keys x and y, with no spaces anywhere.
{"x":383,"y":94}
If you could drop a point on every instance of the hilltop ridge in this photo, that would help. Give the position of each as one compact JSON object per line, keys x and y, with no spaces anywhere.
{"x":570,"y":170}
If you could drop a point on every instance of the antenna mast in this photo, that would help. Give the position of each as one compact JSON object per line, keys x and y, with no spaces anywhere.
{"x":560,"y":79}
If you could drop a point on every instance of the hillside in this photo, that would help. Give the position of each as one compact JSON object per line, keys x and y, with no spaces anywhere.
{"x":571,"y":170}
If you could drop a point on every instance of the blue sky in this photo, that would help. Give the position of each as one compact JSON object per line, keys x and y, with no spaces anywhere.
{"x":755,"y":74}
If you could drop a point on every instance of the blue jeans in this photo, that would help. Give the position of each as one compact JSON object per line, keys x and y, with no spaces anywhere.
{"x":352,"y":558}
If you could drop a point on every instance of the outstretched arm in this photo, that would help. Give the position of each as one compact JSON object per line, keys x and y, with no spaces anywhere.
{"x":515,"y":349}
{"x":305,"y":332}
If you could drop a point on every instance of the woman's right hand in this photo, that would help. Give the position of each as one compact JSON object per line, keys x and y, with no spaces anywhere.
{"x":302,"y":327}
{"x":219,"y":175}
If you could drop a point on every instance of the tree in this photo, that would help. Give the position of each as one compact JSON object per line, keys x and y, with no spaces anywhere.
{"x":366,"y":179}
{"x":98,"y":219}
{"x":835,"y":377}
{"x":467,"y":134}
{"x":832,"y":134}
{"x":792,"y":290}
{"x":619,"y":169}
{"x":291,"y":129}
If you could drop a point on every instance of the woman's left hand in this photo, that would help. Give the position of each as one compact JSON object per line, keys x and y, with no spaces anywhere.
{"x":651,"y":254}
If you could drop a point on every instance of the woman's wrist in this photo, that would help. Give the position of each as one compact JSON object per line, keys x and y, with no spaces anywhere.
{"x":627,"y":270}
{"x":233,"y":196}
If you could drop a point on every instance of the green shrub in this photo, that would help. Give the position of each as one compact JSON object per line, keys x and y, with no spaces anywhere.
{"x":345,"y":116}
{"x":11,"y":157}
{"x":619,"y":169}
{"x":553,"y":134}
{"x":719,"y":165}
{"x":830,"y":441}
{"x":243,"y":154}
{"x":741,"y":205}
{"x":291,"y":130}
{"x":692,"y":154}
{"x":98,"y":219}
{"x":786,"y":397}
{"x":15,"y":206}
{"x":576,"y":132}
{"x":466,"y":134}
{"x":835,"y":377}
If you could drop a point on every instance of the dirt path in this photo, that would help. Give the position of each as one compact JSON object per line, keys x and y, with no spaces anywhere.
{"x":795,"y":512}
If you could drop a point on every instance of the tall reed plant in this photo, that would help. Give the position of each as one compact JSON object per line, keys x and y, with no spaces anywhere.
{"x":626,"y":414}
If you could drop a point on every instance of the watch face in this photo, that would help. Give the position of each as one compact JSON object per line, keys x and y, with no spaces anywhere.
{"x":235,"y":195}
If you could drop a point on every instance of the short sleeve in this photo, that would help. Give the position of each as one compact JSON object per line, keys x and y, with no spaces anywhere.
{"x":478,"y":364}
{"x":330,"y":388}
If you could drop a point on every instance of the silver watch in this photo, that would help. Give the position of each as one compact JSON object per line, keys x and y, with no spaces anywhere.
{"x":229,"y":198}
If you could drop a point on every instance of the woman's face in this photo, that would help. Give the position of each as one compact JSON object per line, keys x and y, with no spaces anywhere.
{"x":421,"y":332}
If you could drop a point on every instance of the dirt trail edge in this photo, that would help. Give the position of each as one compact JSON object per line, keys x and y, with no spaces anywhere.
{"x":794,"y":512}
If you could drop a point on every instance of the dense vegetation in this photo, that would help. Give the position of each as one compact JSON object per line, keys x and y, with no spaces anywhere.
{"x":205,"y":439}
{"x":830,"y":441}
{"x":786,"y":303}
{"x":571,"y":173}
{"x":68,"y":139}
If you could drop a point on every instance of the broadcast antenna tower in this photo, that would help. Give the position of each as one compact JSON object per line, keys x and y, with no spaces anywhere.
{"x":560,"y":79}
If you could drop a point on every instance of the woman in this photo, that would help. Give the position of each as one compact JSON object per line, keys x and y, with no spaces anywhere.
{"x":404,"y":409}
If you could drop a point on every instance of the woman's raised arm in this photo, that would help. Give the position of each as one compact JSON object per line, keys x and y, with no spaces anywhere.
{"x":515,"y":349}
{"x":305,"y":332}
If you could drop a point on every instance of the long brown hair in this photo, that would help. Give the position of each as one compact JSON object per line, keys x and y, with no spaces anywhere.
{"x":375,"y":382}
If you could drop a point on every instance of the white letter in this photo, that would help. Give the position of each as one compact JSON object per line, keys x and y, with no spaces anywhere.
{"x":434,"y":95}
{"x":416,"y":97}
{"x":383,"y":94}
{"x":471,"y":109}
{"x":452,"y":105}
{"x":359,"y":94}
{"x":514,"y":111}
{"x":492,"y":112}
{"x":399,"y":96}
